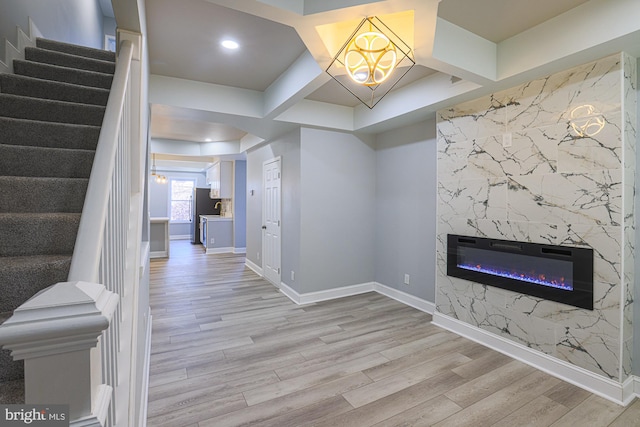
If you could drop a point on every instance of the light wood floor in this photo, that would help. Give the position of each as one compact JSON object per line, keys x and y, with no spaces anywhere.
{"x":228,"y":350}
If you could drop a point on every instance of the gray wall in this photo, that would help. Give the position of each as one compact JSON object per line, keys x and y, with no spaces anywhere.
{"x":288,"y":148}
{"x":159,"y":199}
{"x":240,"y":204}
{"x":337,"y":217}
{"x":405,"y":229}
{"x":71,"y":21}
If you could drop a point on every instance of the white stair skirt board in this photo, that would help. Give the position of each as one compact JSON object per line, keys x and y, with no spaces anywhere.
{"x":253,"y":266}
{"x":609,"y":389}
{"x":142,"y":422}
{"x":23,"y":40}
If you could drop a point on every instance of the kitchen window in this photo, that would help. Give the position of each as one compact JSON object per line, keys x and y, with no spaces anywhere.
{"x":181,"y":192}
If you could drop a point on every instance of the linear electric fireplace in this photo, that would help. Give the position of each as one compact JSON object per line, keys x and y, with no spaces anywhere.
{"x":557,"y":273}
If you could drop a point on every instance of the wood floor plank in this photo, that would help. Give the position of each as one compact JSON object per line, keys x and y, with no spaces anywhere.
{"x":229,"y":349}
{"x":424,"y":415}
{"x":502,"y":403}
{"x":594,"y":411}
{"x":540,"y":412}
{"x":394,"y":383}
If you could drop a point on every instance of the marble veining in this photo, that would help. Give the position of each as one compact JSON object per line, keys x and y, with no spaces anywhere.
{"x":560,"y":182}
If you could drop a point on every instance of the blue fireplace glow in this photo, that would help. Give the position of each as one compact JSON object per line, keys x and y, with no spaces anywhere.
{"x":557,"y":273}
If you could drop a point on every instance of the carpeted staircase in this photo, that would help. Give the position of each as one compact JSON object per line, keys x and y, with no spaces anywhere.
{"x":51,"y":111}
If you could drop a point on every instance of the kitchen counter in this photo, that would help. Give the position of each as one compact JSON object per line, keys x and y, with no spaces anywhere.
{"x":216,"y":233}
{"x":216,"y":218}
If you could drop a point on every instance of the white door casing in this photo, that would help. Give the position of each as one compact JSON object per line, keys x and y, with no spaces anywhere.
{"x":271,"y":217}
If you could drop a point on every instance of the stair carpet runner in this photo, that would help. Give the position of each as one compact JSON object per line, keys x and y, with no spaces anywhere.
{"x":51,"y":110}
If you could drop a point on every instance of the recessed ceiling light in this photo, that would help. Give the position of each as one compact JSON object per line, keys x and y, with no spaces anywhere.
{"x":207,"y":140}
{"x":229,"y":44}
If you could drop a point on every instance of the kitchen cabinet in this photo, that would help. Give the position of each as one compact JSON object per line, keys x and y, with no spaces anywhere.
{"x":220,"y":177}
{"x":217,"y":234}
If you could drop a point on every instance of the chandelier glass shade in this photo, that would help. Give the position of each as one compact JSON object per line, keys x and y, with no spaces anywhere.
{"x":371,"y":61}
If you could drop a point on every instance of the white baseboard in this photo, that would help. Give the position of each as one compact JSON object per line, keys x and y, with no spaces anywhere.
{"x":346,"y":291}
{"x":329,"y":294}
{"x":158,"y":254}
{"x":405,"y":298}
{"x":211,"y":251}
{"x":252,"y":266}
{"x":609,"y":389}
{"x":180,"y":237}
{"x":239,"y":250}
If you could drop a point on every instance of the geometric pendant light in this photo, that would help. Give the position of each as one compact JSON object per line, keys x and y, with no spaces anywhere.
{"x":371,"y":61}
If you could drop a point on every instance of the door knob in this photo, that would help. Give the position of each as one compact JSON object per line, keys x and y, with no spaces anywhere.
{"x":264,"y":227}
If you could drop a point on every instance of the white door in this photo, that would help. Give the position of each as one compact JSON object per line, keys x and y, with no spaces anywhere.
{"x":271,"y":220}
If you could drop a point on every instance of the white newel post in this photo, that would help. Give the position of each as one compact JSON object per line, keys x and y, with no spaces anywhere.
{"x":56,"y":333}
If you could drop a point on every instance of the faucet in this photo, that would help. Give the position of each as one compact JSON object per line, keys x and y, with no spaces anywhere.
{"x":217,"y":205}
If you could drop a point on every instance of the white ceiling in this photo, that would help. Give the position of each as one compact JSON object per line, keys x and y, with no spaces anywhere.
{"x":276,"y":80}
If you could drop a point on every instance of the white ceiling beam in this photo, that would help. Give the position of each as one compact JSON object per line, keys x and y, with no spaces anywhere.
{"x":204,"y":96}
{"x":424,"y":96}
{"x":588,"y":32}
{"x":463,"y":54}
{"x":301,"y":79}
{"x":319,"y":114}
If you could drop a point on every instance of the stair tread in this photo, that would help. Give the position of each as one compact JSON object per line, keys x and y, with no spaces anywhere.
{"x":35,"y":87}
{"x":38,"y":133}
{"x":50,"y":110}
{"x":68,"y":60}
{"x":42,"y":194}
{"x":75,"y":49}
{"x":62,"y":74}
{"x":45,"y":161}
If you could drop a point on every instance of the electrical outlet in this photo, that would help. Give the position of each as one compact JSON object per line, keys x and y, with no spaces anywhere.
{"x":293,"y":275}
{"x":258,"y":255}
{"x":407,"y":279}
{"x":213,"y":240}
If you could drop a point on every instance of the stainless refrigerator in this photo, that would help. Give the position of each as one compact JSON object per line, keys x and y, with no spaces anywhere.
{"x":201,"y":204}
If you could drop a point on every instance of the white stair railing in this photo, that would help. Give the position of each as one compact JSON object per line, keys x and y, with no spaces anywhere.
{"x":75,"y":336}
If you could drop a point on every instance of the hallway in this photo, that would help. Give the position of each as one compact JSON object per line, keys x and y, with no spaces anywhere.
{"x":228,"y":349}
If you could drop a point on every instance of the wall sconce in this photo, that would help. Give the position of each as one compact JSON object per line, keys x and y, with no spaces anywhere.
{"x":160,"y":179}
{"x":586,"y":121}
{"x":371,"y":62}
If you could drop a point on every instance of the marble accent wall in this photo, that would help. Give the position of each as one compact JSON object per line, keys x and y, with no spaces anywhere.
{"x":550,"y":185}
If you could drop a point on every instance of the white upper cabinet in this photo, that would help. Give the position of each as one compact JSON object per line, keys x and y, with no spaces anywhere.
{"x":220,"y":177}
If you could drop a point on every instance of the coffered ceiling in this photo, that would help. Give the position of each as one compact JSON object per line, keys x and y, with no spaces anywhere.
{"x":276,"y":80}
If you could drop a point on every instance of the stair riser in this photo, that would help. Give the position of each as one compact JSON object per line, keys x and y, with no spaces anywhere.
{"x":42,"y":195}
{"x":50,"y":111}
{"x":45,"y":162}
{"x":72,"y":49}
{"x":38,"y":235}
{"x":47,"y":134}
{"x":38,"y":88}
{"x":62,"y":74}
{"x":66,"y":60}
